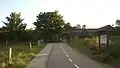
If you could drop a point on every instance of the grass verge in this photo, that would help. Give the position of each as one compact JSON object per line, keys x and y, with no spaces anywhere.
{"x":21,"y":54}
{"x":111,"y":56}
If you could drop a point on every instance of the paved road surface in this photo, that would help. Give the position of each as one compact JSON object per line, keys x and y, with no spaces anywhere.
{"x":63,"y":56}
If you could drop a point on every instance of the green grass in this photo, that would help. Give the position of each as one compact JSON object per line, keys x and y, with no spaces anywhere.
{"x":79,"y":45}
{"x":21,"y":54}
{"x":110,"y":56}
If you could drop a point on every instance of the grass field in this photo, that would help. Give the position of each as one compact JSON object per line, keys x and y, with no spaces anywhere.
{"x":111,"y":56}
{"x":21,"y":54}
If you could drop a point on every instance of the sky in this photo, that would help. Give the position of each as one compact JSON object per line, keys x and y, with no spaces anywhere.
{"x":92,"y":13}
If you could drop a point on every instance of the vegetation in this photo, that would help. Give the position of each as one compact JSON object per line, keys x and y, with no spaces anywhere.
{"x":14,"y":24}
{"x":50,"y":24}
{"x":21,"y":54}
{"x":67,"y":26}
{"x":89,"y":46}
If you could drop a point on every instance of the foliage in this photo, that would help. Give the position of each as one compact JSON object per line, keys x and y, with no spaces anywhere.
{"x":89,"y":46}
{"x":21,"y":56}
{"x":14,"y":22}
{"x":14,"y":25}
{"x":118,"y":23}
{"x":49,"y":24}
{"x":116,"y":32}
{"x":67,"y":26}
{"x":84,"y":26}
{"x":78,"y":26}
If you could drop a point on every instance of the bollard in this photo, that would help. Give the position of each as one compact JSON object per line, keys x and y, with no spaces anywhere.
{"x":10,"y":55}
{"x":30,"y":45}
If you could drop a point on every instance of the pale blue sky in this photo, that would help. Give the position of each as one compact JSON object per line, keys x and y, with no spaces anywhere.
{"x":93,"y":13}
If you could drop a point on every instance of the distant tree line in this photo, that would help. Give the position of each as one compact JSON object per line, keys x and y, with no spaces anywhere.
{"x":48,"y":26}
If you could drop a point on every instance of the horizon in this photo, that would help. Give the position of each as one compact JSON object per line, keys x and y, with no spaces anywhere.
{"x":92,"y":13}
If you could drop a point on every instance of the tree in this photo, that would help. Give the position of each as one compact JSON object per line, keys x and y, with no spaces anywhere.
{"x":14,"y":24}
{"x":118,"y":23}
{"x":67,"y":26}
{"x":78,"y":26}
{"x":50,"y":24}
{"x":84,"y":31}
{"x":84,"y":26}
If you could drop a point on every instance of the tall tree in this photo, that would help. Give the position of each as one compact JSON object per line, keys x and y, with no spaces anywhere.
{"x":50,"y":24}
{"x":84,"y":26}
{"x":14,"y":23}
{"x":78,"y":26}
{"x":118,"y":23}
{"x":67,"y":26}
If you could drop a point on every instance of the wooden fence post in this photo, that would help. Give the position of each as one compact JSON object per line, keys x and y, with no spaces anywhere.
{"x":10,"y":55}
{"x":30,"y":45}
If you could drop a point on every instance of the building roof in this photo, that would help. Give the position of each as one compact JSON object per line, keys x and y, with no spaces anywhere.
{"x":106,"y":28}
{"x":79,"y":32}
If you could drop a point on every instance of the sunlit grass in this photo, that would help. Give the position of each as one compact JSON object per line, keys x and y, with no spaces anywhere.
{"x":21,"y":54}
{"x":110,"y":56}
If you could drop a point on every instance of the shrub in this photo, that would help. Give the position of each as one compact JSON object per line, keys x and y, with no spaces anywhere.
{"x":103,"y":57}
{"x":114,"y":51}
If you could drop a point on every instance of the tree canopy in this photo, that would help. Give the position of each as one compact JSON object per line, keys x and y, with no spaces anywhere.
{"x":14,"y":22}
{"x":13,"y":25}
{"x":118,"y":23}
{"x":84,"y":26}
{"x":78,"y":26}
{"x":67,"y":26}
{"x":49,"y":24}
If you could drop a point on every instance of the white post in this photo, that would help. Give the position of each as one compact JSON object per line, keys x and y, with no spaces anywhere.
{"x":30,"y":45}
{"x":10,"y":55}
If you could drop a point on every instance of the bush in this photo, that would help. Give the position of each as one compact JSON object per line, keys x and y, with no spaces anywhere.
{"x":103,"y":57}
{"x":114,"y":51}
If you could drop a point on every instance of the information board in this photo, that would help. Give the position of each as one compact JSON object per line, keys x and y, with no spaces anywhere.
{"x":103,"y":39}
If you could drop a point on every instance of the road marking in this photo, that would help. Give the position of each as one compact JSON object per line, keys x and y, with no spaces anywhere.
{"x":42,"y":54}
{"x":62,"y":48}
{"x":67,"y":55}
{"x":76,"y":66}
{"x":70,"y":60}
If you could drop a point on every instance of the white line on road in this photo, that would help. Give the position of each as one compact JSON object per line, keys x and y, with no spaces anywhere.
{"x":62,"y":48}
{"x":70,"y":60}
{"x":76,"y":66}
{"x":42,"y":54}
{"x":67,"y":55}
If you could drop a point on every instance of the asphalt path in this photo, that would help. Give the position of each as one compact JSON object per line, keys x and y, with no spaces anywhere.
{"x":63,"y":56}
